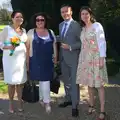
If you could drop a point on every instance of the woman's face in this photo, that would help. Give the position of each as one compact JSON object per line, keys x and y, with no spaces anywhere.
{"x":40,"y":22}
{"x":85,"y":16}
{"x":18,"y":19}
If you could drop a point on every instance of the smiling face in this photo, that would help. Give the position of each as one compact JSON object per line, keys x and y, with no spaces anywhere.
{"x":85,"y":16}
{"x":18,"y":19}
{"x":40,"y":22}
{"x":66,"y":13}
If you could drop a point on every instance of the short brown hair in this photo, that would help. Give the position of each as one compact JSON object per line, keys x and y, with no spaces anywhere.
{"x":66,"y":5}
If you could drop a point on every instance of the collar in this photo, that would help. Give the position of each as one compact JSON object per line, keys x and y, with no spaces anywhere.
{"x":69,"y":21}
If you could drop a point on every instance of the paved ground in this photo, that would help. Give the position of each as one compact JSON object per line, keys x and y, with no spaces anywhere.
{"x":36,"y":112}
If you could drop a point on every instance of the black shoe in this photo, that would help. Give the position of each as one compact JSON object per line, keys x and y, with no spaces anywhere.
{"x":75,"y":112}
{"x":65,"y":104}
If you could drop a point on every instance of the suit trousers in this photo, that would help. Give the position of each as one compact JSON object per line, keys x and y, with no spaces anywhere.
{"x":69,"y":79}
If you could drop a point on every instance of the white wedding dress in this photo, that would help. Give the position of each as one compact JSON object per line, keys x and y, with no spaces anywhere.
{"x":14,"y":66}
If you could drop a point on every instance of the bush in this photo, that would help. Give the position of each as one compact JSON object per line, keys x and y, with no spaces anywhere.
{"x":106,"y":10}
{"x":108,"y":13}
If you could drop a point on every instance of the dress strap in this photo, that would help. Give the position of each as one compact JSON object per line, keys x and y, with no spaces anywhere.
{"x":51,"y":35}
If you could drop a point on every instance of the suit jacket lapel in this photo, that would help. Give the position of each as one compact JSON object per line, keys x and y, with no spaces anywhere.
{"x":61,"y":26}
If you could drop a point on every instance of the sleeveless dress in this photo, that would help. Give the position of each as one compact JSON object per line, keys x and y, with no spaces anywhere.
{"x":88,"y":72}
{"x":15,"y":66}
{"x":41,"y":63}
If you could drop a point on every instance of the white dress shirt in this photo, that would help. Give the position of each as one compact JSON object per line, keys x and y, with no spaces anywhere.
{"x":67,"y":27}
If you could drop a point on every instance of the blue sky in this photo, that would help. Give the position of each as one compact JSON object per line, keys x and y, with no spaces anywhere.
{"x":2,"y":1}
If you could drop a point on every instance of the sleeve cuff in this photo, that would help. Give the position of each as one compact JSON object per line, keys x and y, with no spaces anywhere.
{"x":70,"y":48}
{"x":102,"y":55}
{"x":1,"y":46}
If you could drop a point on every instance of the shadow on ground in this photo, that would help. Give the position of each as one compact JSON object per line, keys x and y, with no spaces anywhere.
{"x":36,"y":112}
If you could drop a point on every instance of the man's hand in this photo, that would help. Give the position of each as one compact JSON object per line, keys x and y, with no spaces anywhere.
{"x":65,"y":46}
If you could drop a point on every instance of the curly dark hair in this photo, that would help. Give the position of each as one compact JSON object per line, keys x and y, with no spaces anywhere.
{"x":92,"y":18}
{"x":46,"y":17}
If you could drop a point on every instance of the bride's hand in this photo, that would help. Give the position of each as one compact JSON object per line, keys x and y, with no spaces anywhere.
{"x":9,"y":47}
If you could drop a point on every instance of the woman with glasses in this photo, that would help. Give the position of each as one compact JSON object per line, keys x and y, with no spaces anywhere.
{"x":42,"y":50}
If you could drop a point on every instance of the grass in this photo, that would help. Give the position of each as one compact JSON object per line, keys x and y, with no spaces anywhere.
{"x":3,"y":87}
{"x":1,"y":27}
{"x":112,"y":66}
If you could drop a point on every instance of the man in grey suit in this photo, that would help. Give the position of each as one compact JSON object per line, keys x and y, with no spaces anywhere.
{"x":69,"y":37}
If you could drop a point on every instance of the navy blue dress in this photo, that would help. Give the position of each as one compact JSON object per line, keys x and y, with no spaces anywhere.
{"x":41,"y":63}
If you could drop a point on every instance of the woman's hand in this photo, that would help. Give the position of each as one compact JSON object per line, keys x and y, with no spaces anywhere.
{"x":55,"y":60}
{"x":101,"y":62}
{"x":9,"y":47}
{"x":27,"y":65}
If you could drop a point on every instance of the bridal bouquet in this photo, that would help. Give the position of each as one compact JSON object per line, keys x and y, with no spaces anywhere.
{"x":15,"y":41}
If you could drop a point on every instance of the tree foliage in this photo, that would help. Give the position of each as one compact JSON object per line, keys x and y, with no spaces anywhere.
{"x":5,"y":16}
{"x":51,"y":7}
{"x":106,"y":10}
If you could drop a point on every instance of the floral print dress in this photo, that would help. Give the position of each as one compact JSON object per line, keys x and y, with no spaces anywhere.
{"x":93,"y":47}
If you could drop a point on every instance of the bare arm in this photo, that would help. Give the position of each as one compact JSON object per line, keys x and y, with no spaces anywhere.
{"x":55,"y":51}
{"x":27,"y":44}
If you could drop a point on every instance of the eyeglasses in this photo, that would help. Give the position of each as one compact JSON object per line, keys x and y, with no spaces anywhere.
{"x":40,"y":20}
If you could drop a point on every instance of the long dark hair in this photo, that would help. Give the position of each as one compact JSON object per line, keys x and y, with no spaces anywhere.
{"x":92,"y":18}
{"x":13,"y":15}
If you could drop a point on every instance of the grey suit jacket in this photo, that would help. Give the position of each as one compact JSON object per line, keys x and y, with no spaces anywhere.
{"x":72,"y":38}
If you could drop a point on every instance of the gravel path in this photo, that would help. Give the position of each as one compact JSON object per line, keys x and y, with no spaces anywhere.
{"x":36,"y":112}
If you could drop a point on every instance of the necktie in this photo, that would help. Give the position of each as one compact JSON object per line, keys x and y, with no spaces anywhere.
{"x":64,"y":30}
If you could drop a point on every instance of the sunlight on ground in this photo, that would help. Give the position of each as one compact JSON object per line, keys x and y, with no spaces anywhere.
{"x":55,"y":97}
{"x":83,"y":91}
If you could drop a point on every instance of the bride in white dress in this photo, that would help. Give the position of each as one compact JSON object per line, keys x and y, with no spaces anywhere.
{"x":14,"y":66}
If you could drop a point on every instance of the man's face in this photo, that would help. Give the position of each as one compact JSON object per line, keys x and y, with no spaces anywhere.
{"x":66,"y":13}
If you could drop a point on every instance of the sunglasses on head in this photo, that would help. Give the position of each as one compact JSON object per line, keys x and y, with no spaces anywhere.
{"x":40,"y":20}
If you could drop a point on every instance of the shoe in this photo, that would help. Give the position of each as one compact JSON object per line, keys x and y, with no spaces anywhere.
{"x":65,"y":104}
{"x":48,"y":108}
{"x":75,"y":112}
{"x":102,"y":116}
{"x":11,"y":111}
{"x":20,"y":110}
{"x":91,"y":110}
{"x":11,"y":108}
{"x":41,"y":103}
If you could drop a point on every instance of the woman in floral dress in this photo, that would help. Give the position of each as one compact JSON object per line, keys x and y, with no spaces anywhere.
{"x":92,"y":66}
